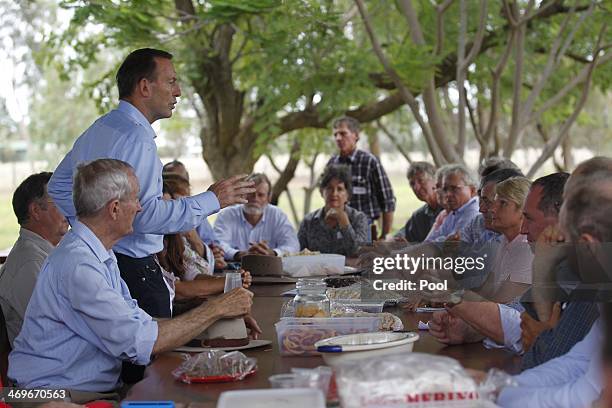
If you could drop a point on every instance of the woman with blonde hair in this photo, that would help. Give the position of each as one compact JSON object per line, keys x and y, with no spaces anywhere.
{"x":512,"y":265}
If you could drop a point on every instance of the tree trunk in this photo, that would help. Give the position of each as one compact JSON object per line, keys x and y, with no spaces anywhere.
{"x":374,"y":143}
{"x":287,"y":173}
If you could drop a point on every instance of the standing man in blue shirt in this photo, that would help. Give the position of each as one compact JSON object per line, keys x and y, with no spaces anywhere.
{"x":148,"y":91}
{"x":81,"y":322}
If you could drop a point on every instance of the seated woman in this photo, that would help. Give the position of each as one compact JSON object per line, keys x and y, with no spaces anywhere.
{"x":183,"y":254}
{"x":336,"y":228}
{"x":511,"y":269}
{"x":199,"y":257}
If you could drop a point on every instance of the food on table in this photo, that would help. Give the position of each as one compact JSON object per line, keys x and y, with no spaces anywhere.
{"x":310,"y":310}
{"x":303,"y":252}
{"x":340,"y":282}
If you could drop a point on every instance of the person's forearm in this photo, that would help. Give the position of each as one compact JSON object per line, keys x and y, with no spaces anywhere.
{"x":387,"y":223}
{"x":199,"y":287}
{"x":175,"y":332}
{"x":482,"y":316}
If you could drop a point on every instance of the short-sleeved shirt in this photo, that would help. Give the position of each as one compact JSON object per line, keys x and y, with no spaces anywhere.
{"x":372,"y":193}
{"x":81,"y":322}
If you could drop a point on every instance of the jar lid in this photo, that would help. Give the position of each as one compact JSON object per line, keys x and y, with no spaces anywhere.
{"x":309,"y":283}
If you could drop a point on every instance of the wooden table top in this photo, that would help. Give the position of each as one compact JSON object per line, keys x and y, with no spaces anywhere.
{"x":159,"y":384}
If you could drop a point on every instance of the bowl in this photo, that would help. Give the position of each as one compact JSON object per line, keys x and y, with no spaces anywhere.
{"x":351,"y":347}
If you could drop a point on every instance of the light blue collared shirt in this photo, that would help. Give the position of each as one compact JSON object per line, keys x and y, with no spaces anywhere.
{"x":510,"y":318}
{"x":572,"y":380}
{"x":235,"y":233}
{"x":125,"y":134}
{"x":455,"y":221}
{"x":81,"y":321}
{"x":207,"y":233}
{"x":475,"y":232}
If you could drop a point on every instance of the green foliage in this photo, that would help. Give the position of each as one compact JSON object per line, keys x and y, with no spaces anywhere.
{"x":59,"y":113}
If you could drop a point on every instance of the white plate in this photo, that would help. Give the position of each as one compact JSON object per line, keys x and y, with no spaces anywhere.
{"x":277,"y":398}
{"x":369,"y":341}
{"x":360,"y":346}
{"x":252,"y":344}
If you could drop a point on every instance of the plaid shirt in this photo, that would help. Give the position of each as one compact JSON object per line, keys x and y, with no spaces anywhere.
{"x":372,"y":192}
{"x":575,"y":322}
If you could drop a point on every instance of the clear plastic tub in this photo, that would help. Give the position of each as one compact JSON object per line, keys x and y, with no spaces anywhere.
{"x":297,"y":336}
{"x":370,"y":306}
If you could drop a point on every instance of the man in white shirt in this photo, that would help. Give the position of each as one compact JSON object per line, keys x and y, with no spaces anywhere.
{"x":256,"y":227}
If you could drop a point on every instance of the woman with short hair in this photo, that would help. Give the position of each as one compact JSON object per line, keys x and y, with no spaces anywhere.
{"x":336,"y":228}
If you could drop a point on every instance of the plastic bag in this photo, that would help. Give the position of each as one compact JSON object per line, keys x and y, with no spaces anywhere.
{"x":313,"y":265}
{"x":414,"y":380}
{"x":215,"y":365}
{"x":313,"y":378}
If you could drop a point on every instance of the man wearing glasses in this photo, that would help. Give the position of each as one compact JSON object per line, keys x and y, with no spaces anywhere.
{"x":459,"y":191}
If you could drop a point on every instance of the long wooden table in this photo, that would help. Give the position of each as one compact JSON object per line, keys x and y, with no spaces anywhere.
{"x":159,"y":384}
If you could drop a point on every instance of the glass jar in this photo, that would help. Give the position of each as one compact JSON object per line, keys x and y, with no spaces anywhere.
{"x":311,"y":299}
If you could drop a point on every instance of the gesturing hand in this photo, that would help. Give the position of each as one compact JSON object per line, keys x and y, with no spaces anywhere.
{"x":232,"y":190}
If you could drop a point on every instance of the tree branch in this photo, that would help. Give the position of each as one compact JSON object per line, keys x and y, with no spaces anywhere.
{"x":436,"y":124}
{"x":552,"y":145}
{"x":403,"y":90}
{"x":567,"y":88}
{"x":287,"y":173}
{"x":515,"y":126}
{"x":395,"y":140}
{"x":557,"y":50}
{"x":495,"y":91}
{"x":440,"y":10}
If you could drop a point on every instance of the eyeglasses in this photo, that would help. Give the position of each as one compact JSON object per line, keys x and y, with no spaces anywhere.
{"x":452,"y":189}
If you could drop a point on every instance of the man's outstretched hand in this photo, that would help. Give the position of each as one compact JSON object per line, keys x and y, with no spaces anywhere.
{"x":232,"y":190}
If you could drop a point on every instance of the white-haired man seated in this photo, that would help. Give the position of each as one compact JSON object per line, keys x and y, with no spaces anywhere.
{"x":81,"y":322}
{"x":459,"y":193}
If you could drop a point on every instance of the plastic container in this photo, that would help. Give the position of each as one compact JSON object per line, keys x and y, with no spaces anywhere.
{"x":233,"y":280}
{"x":311,"y":299}
{"x":277,"y":398}
{"x":363,"y":345}
{"x":282,"y":380}
{"x":297,"y":336}
{"x":370,"y":306}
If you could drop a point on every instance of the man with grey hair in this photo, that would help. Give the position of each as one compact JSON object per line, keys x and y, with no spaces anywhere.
{"x":42,"y":227}
{"x":81,"y":322}
{"x":421,"y":177}
{"x":371,"y":193}
{"x":459,"y":193}
{"x":256,"y":227}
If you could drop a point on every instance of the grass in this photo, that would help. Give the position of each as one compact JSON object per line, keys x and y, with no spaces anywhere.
{"x":405,"y":205}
